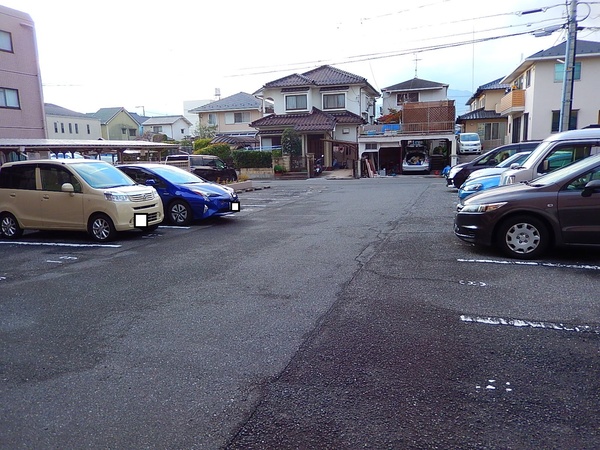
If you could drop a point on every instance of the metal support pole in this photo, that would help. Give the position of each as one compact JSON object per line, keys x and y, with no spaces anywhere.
{"x":568,"y":76}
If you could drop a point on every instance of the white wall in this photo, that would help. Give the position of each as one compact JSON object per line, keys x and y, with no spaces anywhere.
{"x":72,"y":127}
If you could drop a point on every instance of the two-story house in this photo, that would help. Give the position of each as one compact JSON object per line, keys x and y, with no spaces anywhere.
{"x":21,"y":98}
{"x":483,"y":117}
{"x":174,"y":127}
{"x":325,"y":106}
{"x":117,"y":124}
{"x":416,"y":114}
{"x":231,"y":118}
{"x":62,"y":123}
{"x":532,"y":106}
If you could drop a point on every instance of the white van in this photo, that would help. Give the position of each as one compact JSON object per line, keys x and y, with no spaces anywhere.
{"x":74,"y":194}
{"x":469,"y":143}
{"x":556,"y":151}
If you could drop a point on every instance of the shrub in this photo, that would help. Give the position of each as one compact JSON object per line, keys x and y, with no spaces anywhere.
{"x":291,"y":144}
{"x":201,"y":143}
{"x":223,"y":151}
{"x":245,"y":159}
{"x":278,"y":169}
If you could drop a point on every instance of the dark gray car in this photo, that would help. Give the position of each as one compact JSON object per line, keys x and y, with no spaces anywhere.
{"x":524,"y":220}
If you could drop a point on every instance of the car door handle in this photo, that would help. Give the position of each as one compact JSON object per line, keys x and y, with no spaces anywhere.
{"x":46,"y":197}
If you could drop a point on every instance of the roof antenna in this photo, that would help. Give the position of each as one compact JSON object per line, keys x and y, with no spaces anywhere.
{"x":416,"y":64}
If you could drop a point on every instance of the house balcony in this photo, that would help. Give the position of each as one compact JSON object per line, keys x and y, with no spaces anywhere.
{"x":512,"y":102}
{"x":418,"y":119}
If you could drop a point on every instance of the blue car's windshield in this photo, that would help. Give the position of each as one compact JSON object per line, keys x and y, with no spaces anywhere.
{"x":176,"y":175}
{"x":101,"y":175}
{"x":517,"y":158}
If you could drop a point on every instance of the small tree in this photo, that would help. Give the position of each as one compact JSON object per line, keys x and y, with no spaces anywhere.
{"x":223,"y":151}
{"x":291,"y":143}
{"x":205,"y":131}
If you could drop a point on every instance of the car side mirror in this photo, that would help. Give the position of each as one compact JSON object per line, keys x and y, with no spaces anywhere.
{"x":68,"y":187}
{"x":593,"y":187}
{"x":514,"y":166}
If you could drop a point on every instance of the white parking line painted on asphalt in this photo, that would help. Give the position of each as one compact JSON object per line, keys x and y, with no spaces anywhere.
{"x":59,"y":244}
{"x":174,"y":227}
{"x":531,"y":263}
{"x":52,"y":261}
{"x":254,"y":206}
{"x":531,"y":324}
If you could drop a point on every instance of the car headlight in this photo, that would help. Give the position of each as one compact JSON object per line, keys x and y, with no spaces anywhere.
{"x":473,"y":187}
{"x":116,"y":197}
{"x":482,"y":208}
{"x":202,"y":194}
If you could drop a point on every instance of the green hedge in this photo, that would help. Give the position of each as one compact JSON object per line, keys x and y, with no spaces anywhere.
{"x":248,"y":159}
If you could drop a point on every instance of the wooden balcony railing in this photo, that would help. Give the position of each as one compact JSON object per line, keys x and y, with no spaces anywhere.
{"x":512,"y":101}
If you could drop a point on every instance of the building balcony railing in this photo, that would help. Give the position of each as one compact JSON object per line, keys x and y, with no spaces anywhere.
{"x":513,"y":101}
{"x":446,"y":126}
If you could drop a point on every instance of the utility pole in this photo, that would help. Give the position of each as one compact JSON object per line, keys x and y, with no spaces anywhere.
{"x":568,"y":76}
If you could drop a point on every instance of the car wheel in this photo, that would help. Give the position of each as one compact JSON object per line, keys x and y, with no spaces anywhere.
{"x":101,"y":228}
{"x":9,"y":227}
{"x":180,"y":213}
{"x":523,"y":237}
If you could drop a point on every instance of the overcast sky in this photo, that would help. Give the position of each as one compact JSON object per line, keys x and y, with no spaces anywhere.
{"x":134,"y":53}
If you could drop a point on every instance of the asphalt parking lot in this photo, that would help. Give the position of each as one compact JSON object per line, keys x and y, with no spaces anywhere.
{"x":326,"y":314}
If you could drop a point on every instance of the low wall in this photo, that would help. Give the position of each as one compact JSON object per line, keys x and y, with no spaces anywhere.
{"x":257,"y":174}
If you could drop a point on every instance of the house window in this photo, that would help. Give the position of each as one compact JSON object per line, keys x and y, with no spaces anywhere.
{"x":157,"y":129}
{"x":56,"y":127}
{"x":556,"y":121}
{"x":88,"y":129}
{"x":334,"y":101}
{"x":132,"y":132}
{"x":407,"y":97}
{"x":5,"y":41}
{"x":559,"y":72}
{"x":491,"y":130}
{"x":371,"y":146}
{"x":123,"y":130}
{"x":9,"y":98}
{"x":212,"y":119}
{"x":296,"y":102}
{"x":62,"y":128}
{"x":70,"y":128}
{"x":241,"y":117}
{"x":76,"y":128}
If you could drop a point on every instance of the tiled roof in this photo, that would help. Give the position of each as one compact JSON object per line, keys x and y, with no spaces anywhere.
{"x":238,"y":101}
{"x":559,"y":51}
{"x":321,"y":76}
{"x":55,"y":110}
{"x":479,"y":114}
{"x":492,"y":85}
{"x":240,"y":141}
{"x":316,"y":120}
{"x":415,"y":84}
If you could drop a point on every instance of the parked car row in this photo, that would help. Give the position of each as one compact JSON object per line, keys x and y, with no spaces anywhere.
{"x":94,"y":196}
{"x":550,"y":198}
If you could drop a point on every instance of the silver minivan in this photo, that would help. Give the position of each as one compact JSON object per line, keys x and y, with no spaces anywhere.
{"x":556,"y":151}
{"x":74,"y":194}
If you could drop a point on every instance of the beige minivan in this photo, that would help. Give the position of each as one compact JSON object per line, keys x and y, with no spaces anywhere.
{"x":77,"y":194}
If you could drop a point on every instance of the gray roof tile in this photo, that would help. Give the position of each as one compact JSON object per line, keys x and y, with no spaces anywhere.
{"x":238,"y":101}
{"x":415,"y":84}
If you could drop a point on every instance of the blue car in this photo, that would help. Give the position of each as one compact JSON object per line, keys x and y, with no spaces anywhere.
{"x":186,"y":197}
{"x":483,"y":179}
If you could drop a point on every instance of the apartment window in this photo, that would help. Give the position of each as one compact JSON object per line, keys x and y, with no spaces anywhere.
{"x":334,"y":101}
{"x":212,"y":119}
{"x":559,"y":72}
{"x":76,"y":128}
{"x":62,"y":128}
{"x":157,"y":129}
{"x":407,"y":97}
{"x":89,"y":131}
{"x":9,"y":98}
{"x":6,"y":41}
{"x":296,"y":102}
{"x":556,"y":121}
{"x":70,"y":128}
{"x":56,"y":127}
